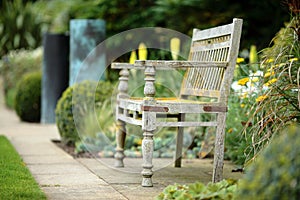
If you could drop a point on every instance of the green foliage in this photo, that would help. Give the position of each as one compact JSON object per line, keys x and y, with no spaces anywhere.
{"x":98,"y":129}
{"x":19,"y":26}
{"x":81,"y":104}
{"x":14,"y":65}
{"x":270,"y":95}
{"x":236,"y":144}
{"x":15,"y":179}
{"x":275,"y":174}
{"x":258,"y":27}
{"x":277,"y":105}
{"x":28,"y":97}
{"x":10,"y":98}
{"x":119,"y":15}
{"x":56,"y":13}
{"x":182,"y":16}
{"x":166,"y":86}
{"x":224,"y":189}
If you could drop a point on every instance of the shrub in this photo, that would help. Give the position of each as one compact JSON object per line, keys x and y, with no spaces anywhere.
{"x":79,"y":99}
{"x":14,"y":65}
{"x":28,"y":97}
{"x":276,"y":173}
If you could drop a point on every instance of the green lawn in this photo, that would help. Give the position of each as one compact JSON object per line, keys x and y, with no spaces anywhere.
{"x":16,"y":182}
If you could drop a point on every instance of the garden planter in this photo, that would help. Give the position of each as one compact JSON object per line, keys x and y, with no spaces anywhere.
{"x":85,"y":35}
{"x":55,"y":73}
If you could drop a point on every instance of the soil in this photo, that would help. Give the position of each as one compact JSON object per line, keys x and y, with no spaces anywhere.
{"x":70,"y":149}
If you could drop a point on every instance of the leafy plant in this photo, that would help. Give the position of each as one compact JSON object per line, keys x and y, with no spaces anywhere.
{"x":275,"y":174}
{"x":236,"y":144}
{"x":28,"y":97}
{"x":224,"y":189}
{"x":19,"y":26}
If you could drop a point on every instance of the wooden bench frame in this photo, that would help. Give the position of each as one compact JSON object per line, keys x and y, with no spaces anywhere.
{"x":209,"y":73}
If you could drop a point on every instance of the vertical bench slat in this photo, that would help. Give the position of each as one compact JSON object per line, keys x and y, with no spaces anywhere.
{"x":207,"y":49}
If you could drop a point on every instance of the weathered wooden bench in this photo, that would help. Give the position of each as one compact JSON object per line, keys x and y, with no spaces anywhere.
{"x":209,"y":73}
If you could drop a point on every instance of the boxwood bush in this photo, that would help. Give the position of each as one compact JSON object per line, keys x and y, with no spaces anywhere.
{"x":28,"y":97}
{"x":85,"y":95}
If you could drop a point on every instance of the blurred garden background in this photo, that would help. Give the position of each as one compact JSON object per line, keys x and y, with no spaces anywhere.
{"x":265,"y":96}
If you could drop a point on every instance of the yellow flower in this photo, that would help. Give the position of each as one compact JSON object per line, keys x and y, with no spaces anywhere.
{"x":269,"y":74}
{"x":255,"y":79}
{"x":243,"y":81}
{"x":244,"y":95}
{"x":293,"y":59}
{"x":261,"y":98}
{"x":175,"y":47}
{"x":270,"y":82}
{"x":253,"y":55}
{"x":139,"y":142}
{"x":270,"y":60}
{"x":142,"y":51}
{"x":242,"y":105}
{"x":240,"y":60}
{"x":279,"y":65}
{"x":132,"y":58}
{"x":230,"y":130}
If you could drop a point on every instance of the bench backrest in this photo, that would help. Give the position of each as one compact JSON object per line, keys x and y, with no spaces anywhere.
{"x":218,"y":44}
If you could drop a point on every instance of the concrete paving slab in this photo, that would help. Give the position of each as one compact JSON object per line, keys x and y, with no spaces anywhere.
{"x":196,"y":169}
{"x":110,"y":175}
{"x":69,"y":179}
{"x":48,"y":159}
{"x":63,"y":168}
{"x":136,"y":166}
{"x":137,"y":192}
{"x":35,"y":148}
{"x":82,"y":192}
{"x":129,"y":184}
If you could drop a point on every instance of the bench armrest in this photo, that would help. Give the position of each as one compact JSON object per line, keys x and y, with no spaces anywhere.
{"x":173,"y":64}
{"x":167,"y":64}
{"x":124,"y":66}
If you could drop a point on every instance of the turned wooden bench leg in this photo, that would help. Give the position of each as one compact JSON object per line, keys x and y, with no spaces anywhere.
{"x":120,"y":139}
{"x":219,"y":149}
{"x":147,"y":148}
{"x":148,"y":126}
{"x":121,"y":130}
